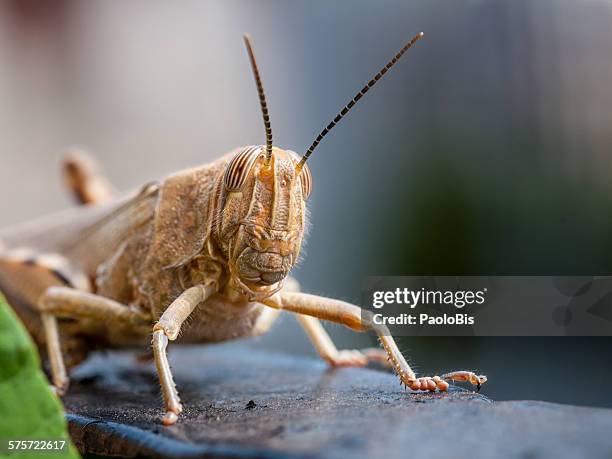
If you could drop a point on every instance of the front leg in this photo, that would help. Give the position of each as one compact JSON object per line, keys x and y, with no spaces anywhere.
{"x":360,"y":320}
{"x":168,"y":328}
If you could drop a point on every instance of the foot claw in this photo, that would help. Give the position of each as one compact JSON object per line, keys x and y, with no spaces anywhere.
{"x":172,"y":412}
{"x":60,"y":389}
{"x":440,"y":383}
{"x":170,"y":418}
{"x":469,"y":376}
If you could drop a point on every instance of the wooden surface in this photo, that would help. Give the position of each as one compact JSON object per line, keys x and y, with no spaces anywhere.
{"x":241,"y":402}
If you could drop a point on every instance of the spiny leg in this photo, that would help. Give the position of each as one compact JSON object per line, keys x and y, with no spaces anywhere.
{"x":360,"y":320}
{"x":168,"y":328}
{"x":84,"y":179}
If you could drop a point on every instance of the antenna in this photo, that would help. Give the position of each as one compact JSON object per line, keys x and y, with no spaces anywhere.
{"x":262,"y":98}
{"x":355,"y":99}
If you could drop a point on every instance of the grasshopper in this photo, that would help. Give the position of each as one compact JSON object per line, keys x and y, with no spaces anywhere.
{"x":212,"y":246}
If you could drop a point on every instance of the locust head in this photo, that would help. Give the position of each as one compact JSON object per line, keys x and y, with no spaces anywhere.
{"x":264,"y":215}
{"x":263,"y":210}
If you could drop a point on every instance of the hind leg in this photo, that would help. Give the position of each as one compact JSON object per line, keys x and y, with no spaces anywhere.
{"x":83,"y":177}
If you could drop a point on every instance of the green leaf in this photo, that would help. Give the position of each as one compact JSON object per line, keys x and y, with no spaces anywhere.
{"x":28,"y":407}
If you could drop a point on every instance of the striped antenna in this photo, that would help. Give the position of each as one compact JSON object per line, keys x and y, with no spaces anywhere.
{"x":262,"y":98}
{"x":359,"y":95}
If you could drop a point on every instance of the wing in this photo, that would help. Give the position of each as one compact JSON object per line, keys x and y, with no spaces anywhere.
{"x":87,"y":236}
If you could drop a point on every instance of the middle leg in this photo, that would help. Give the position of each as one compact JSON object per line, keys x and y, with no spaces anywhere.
{"x":324,"y":345}
{"x":328,"y":351}
{"x":70,"y":302}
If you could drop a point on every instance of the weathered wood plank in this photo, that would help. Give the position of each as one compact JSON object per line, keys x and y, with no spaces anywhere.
{"x":241,"y":402}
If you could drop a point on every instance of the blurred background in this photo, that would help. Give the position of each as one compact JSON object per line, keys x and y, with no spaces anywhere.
{"x":486,"y":151}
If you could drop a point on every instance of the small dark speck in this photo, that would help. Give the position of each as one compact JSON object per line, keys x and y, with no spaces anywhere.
{"x":88,"y":380}
{"x":251,"y":405}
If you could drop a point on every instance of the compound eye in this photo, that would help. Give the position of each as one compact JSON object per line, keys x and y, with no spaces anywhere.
{"x":239,"y":167}
{"x":306,"y":181}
